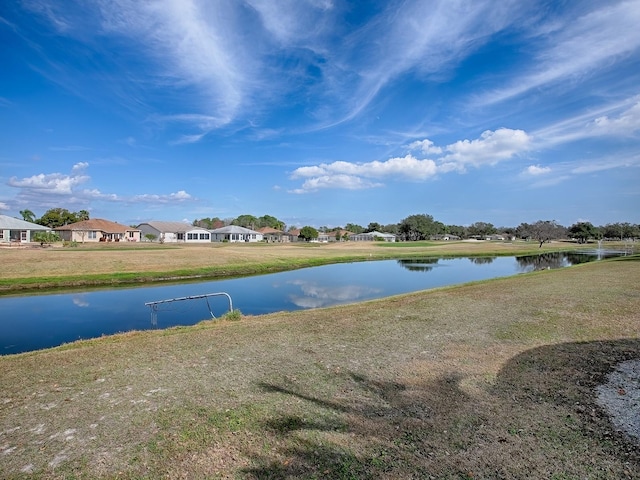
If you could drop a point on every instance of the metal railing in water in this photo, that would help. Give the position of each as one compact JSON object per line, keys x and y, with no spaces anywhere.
{"x":154,"y":305}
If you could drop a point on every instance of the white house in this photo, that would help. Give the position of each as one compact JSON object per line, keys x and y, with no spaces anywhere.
{"x":16,"y":230}
{"x":371,"y":236}
{"x":234,"y":233}
{"x":175,"y":232}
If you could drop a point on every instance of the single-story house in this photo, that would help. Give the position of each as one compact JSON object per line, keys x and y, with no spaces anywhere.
{"x":97,"y":230}
{"x":295,"y":234}
{"x":445,"y":237}
{"x":174,"y":232}
{"x":273,"y":235}
{"x":333,"y":236}
{"x":234,"y":233}
{"x":372,"y":236}
{"x":16,"y":230}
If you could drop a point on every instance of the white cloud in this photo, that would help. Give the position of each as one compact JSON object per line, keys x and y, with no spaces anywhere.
{"x":4,"y":206}
{"x":340,"y":181}
{"x":179,"y":196}
{"x":627,"y":123}
{"x":491,"y":148}
{"x":536,"y":170}
{"x":425,"y":146}
{"x":53,"y":183}
{"x":48,"y":190}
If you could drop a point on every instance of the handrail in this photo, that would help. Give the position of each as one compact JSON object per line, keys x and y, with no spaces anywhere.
{"x":154,"y":305}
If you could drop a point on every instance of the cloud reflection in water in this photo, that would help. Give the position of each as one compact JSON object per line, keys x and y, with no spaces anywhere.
{"x":314,"y":295}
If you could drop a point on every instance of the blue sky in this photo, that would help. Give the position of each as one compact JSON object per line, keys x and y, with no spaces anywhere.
{"x":322,"y":112}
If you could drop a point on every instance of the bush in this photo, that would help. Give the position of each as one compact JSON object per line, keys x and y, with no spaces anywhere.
{"x":233,"y":315}
{"x":46,"y":237}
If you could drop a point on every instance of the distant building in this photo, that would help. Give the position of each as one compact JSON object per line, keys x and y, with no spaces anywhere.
{"x":372,"y":236}
{"x":97,"y":230}
{"x":17,"y":230}
{"x":234,"y":233}
{"x":273,"y":235}
{"x":175,"y":232}
{"x":333,"y":236}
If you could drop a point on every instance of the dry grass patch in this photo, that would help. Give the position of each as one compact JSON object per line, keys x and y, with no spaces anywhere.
{"x":487,"y":380}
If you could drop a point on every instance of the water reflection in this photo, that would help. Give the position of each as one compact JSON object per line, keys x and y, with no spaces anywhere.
{"x":419,"y":264}
{"x":315,"y":295}
{"x":79,"y":300}
{"x":482,"y":260}
{"x":550,"y":260}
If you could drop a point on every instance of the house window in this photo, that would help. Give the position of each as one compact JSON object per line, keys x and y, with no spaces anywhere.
{"x":1,"y":234}
{"x":23,"y":235}
{"x":131,"y":234}
{"x":180,"y":236}
{"x":92,"y":235}
{"x":190,"y":236}
{"x":204,"y":236}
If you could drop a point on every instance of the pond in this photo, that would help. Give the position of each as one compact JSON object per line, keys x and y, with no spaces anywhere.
{"x":41,"y":321}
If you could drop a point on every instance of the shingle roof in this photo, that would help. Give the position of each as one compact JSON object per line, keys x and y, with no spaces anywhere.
{"x":11,"y":223}
{"x":97,"y":224}
{"x":267,"y":230}
{"x":170,"y":227}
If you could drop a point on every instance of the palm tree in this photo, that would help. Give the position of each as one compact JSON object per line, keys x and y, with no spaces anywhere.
{"x":28,"y":216}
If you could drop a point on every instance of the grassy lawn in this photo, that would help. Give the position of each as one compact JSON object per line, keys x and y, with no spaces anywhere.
{"x":491,"y":379}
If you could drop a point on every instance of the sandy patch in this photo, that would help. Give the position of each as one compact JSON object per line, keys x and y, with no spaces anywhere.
{"x":620,"y":397}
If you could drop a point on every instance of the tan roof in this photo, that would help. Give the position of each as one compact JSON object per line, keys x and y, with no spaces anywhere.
{"x":269,"y":230}
{"x":97,"y":224}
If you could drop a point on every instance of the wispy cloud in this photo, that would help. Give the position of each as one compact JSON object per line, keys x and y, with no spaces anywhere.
{"x":572,"y":48}
{"x":617,"y":119}
{"x":427,"y":38}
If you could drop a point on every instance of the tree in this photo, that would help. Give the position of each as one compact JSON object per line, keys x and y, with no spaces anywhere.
{"x":457,"y":230}
{"x":543,"y":230}
{"x":374,"y":227}
{"x":481,"y":229}
{"x":150,"y":236}
{"x":28,"y":216}
{"x":57,"y":217}
{"x":583,"y":231}
{"x":247,"y":221}
{"x":419,"y":227}
{"x":619,"y":230}
{"x":391,"y":228}
{"x":272,"y":222}
{"x":82,"y":215}
{"x":308,"y":233}
{"x":354,"y":228}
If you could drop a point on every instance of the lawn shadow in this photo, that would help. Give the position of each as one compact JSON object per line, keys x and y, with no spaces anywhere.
{"x":540,"y":414}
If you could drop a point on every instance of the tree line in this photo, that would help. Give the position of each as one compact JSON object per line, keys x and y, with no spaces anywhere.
{"x":412,"y":228}
{"x":424,"y":227}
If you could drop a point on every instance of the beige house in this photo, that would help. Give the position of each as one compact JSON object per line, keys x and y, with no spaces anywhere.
{"x":98,"y":230}
{"x":273,"y":235}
